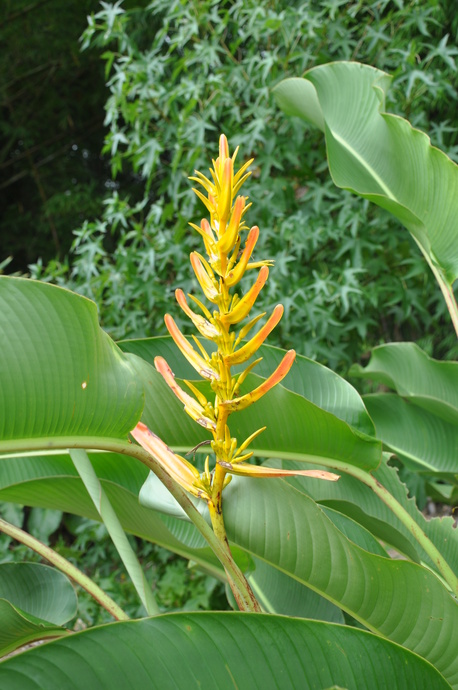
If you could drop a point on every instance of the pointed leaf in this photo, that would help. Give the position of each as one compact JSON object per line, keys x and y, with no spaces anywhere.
{"x":60,"y":374}
{"x":19,"y":628}
{"x":37,"y":589}
{"x":220,"y":650}
{"x":35,"y":601}
{"x":382,"y":158}
{"x":409,"y":371}
{"x":351,"y":497}
{"x":314,"y":381}
{"x":425,"y":442}
{"x":282,"y":527}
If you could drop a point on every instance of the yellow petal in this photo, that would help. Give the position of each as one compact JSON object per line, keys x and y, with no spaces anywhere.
{"x":227,"y":241}
{"x":208,"y":286}
{"x":225,"y":196}
{"x":245,"y":352}
{"x":180,"y":469}
{"x":223,"y":147}
{"x":209,"y":203}
{"x":204,"y":326}
{"x":243,"y":306}
{"x":266,"y":472}
{"x":191,"y":406}
{"x":277,"y":376}
{"x":237,"y":272}
{"x":203,"y":367}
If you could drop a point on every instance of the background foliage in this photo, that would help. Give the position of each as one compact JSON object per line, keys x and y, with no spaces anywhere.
{"x":180,"y":73}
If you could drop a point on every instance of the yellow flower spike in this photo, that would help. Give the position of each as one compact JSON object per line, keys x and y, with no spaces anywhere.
{"x":235,"y":274}
{"x":267,"y":472}
{"x":245,"y":352}
{"x":202,"y":367}
{"x":180,"y":469}
{"x":278,"y":375}
{"x":208,"y":286}
{"x":228,"y":240}
{"x":193,"y":408}
{"x":243,"y":306}
{"x":207,"y":329}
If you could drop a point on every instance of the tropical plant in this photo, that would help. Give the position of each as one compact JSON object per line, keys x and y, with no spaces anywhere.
{"x":301,"y":548}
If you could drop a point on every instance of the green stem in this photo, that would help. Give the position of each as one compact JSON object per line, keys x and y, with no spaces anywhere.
{"x":114,"y":445}
{"x":111,"y":521}
{"x":66,"y":567}
{"x":239,"y":585}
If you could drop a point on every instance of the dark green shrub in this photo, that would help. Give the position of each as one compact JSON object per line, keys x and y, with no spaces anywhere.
{"x":179,"y":74}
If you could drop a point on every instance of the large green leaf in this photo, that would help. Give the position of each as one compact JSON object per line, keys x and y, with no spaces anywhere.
{"x":19,"y":628}
{"x":39,"y":590}
{"x":382,"y":158}
{"x":280,"y":525}
{"x":61,"y":376}
{"x":398,"y":599}
{"x":351,"y":497}
{"x":35,"y":601}
{"x":423,"y":441}
{"x":299,"y":427}
{"x":427,"y":382}
{"x":220,"y":650}
{"x":310,"y":379}
{"x":279,"y":593}
{"x":51,"y":481}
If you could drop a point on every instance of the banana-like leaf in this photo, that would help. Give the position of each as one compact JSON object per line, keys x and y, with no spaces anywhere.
{"x":424,"y":442}
{"x":310,"y":379}
{"x":220,"y":650}
{"x":51,"y":481}
{"x":302,"y":429}
{"x":381,"y":157}
{"x":426,"y":382}
{"x":352,"y":498}
{"x":35,"y":602}
{"x":280,"y":525}
{"x":279,"y":593}
{"x":19,"y":628}
{"x":61,"y":376}
{"x":398,"y":599}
